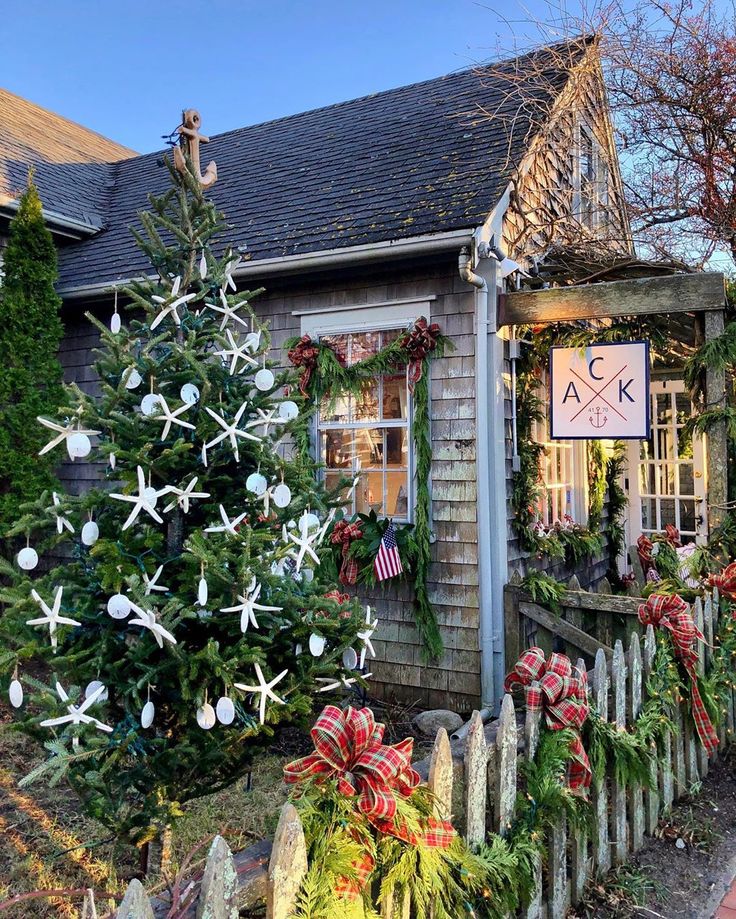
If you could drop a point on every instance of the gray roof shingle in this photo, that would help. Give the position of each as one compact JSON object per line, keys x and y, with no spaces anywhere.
{"x":407,"y":162}
{"x":73,"y":166}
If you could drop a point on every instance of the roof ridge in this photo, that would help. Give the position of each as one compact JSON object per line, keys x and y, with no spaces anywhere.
{"x":75,"y":124}
{"x":537,"y":49}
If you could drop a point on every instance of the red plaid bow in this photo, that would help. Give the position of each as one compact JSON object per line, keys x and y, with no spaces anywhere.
{"x":725,"y":581}
{"x":348,"y":747}
{"x":345,"y":533}
{"x":672,"y":535}
{"x":672,"y":613}
{"x":338,"y":598}
{"x":562,"y":694}
{"x":644,"y":547}
{"x":419,"y":343}
{"x":304,"y":354}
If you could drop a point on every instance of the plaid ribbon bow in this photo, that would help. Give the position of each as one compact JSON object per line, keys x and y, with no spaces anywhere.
{"x":419,"y":343}
{"x":348,"y":747}
{"x":644,"y":547}
{"x":672,"y":613}
{"x":725,"y":581}
{"x":672,"y":535}
{"x":304,"y":354}
{"x":562,"y":694}
{"x":344,"y":534}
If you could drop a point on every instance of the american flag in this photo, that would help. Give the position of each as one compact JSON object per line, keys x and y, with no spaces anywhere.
{"x":388,"y":561}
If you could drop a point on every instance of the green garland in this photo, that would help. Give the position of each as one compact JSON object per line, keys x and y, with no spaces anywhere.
{"x":331,"y":379}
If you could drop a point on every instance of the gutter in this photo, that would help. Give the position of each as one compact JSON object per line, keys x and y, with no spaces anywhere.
{"x":312,"y":261}
{"x":75,"y":229}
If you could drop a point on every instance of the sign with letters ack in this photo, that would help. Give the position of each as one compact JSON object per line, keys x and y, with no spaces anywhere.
{"x":600,"y":392}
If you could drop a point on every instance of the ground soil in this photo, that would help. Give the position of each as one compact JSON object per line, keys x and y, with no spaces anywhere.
{"x":668,"y":878}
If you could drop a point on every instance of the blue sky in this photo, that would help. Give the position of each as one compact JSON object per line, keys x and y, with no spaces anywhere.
{"x":126,"y":69}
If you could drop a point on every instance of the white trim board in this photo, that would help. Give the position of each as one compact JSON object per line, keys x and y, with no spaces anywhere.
{"x":354,"y":318}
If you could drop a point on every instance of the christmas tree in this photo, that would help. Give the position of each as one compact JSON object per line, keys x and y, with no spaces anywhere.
{"x":30,"y":373}
{"x":185,"y":617}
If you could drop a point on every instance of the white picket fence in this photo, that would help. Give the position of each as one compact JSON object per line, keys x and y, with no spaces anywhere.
{"x":479,"y":775}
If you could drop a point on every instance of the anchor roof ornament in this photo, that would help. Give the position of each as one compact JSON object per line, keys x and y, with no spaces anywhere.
{"x":188,"y":132}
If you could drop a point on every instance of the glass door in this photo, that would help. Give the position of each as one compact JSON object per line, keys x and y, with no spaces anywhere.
{"x":667,"y":471}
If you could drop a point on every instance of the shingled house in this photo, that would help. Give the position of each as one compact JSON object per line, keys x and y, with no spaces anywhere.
{"x":358,"y":218}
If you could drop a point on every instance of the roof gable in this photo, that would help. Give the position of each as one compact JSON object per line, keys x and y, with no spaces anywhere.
{"x":402,"y":163}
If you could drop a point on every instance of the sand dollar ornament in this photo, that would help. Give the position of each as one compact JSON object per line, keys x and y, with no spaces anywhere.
{"x":78,"y":445}
{"x":150,"y":404}
{"x":225,"y":710}
{"x":92,"y":687}
{"x":15,"y":693}
{"x":27,"y":558}
{"x":281,"y":495}
{"x":118,"y":606}
{"x":202,"y":592}
{"x":256,"y":483}
{"x":288,"y":410}
{"x":206,"y":717}
{"x":350,"y":658}
{"x":90,"y":533}
{"x":132,"y":378}
{"x":264,"y":379}
{"x":316,"y":645}
{"x":147,"y":713}
{"x":115,"y":323}
{"x":189,"y":393}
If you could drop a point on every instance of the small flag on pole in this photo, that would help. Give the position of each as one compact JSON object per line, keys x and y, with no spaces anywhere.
{"x":388,"y":561}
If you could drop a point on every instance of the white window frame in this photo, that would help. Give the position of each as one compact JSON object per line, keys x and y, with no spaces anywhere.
{"x":375,"y":317}
{"x":575,"y":452}
{"x":599,"y":191}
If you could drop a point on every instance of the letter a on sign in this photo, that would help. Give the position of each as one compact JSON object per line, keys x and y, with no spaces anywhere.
{"x":601,"y":392}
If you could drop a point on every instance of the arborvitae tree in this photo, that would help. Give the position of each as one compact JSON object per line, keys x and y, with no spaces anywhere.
{"x":192,"y":576}
{"x":30,"y":373}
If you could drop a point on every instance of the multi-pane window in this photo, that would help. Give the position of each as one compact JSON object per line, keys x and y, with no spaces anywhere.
{"x":561,"y":491}
{"x":370,"y":433}
{"x":592,"y":179}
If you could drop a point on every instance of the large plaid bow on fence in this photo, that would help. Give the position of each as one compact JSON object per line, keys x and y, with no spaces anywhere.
{"x":672,"y":613}
{"x":725,"y":581}
{"x":304,"y":354}
{"x":562,"y":694}
{"x":348,"y":747}
{"x":419,"y":343}
{"x":345,"y":534}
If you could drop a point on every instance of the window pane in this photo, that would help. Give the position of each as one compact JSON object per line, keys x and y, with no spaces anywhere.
{"x":337,"y":449}
{"x":332,"y":480}
{"x":363,"y":345}
{"x":336,"y":411}
{"x":665,"y":443}
{"x":397,"y":494}
{"x":389,"y":335}
{"x":687,"y":515}
{"x":667,"y":512}
{"x":646,"y":479}
{"x":687,"y":484}
{"x":366,"y":405}
{"x":339,"y":344}
{"x":684,"y":409}
{"x":369,"y":447}
{"x":394,"y":397}
{"x":664,"y":408}
{"x":397,"y":447}
{"x":369,"y":493}
{"x":648,"y":514}
{"x":666,"y":476}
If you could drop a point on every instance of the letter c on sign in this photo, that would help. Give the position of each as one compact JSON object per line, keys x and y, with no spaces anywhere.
{"x":590,"y":368}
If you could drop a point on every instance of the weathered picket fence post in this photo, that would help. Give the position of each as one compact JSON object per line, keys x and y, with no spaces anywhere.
{"x":288,"y":864}
{"x":441,"y":778}
{"x":476,"y":782}
{"x":531,"y":737}
{"x":505,"y":779}
{"x":601,"y":843}
{"x":136,"y":904}
{"x":618,"y":794}
{"x":579,"y":855}
{"x":218,"y":894}
{"x":651,"y":794}
{"x":636,"y":794}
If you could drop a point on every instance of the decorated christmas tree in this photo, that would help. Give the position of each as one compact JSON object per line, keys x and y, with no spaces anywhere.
{"x":160,"y":627}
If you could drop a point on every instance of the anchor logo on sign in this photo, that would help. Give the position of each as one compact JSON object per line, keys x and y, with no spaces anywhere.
{"x":598,"y":418}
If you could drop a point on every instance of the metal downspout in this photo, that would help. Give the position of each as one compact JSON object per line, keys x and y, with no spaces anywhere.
{"x":490,"y":474}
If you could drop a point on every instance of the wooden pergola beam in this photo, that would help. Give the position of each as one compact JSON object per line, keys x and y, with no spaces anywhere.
{"x":677,"y":293}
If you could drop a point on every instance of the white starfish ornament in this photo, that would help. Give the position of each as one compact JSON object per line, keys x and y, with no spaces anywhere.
{"x":230,"y":268}
{"x":51,"y":615}
{"x":265,"y":420}
{"x":265,"y":690}
{"x":247,"y":606}
{"x":229,"y":430}
{"x":172,"y":304}
{"x":228,"y":525}
{"x":61,"y":522}
{"x":63,"y":433}
{"x":184,"y":496}
{"x":366,"y":635}
{"x":305,"y":541}
{"x":164,"y":413}
{"x":343,"y":680}
{"x":147,"y":620}
{"x":228,"y":312}
{"x":152,"y":583}
{"x":77,"y":714}
{"x":237,"y":352}
{"x":145,"y":500}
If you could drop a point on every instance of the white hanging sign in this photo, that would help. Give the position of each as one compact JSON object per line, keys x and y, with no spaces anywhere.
{"x":600,"y":392}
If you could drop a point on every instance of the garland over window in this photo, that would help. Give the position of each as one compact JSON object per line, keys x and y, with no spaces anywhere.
{"x":325,"y":377}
